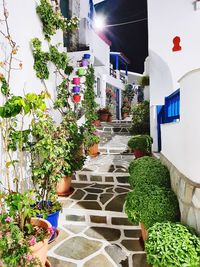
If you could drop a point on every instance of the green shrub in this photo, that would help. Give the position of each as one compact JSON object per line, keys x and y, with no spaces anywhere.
{"x":148,"y":170}
{"x":141,"y":142}
{"x":140,"y":118}
{"x":151,"y":204}
{"x":172,"y":245}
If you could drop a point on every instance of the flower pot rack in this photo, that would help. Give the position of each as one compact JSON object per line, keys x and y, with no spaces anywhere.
{"x":76,"y":81}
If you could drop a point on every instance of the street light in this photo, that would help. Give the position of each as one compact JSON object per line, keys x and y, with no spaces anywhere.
{"x":99,"y":23}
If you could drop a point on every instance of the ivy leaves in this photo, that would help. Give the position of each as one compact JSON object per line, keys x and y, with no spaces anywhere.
{"x":41,"y":59}
{"x":16,"y":104}
{"x":53,"y":20}
{"x":4,"y":86}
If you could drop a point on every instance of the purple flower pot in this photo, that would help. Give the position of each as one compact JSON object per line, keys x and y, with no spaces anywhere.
{"x":76,"y":80}
{"x":75,"y":89}
{"x":84,"y":63}
{"x":86,"y":56}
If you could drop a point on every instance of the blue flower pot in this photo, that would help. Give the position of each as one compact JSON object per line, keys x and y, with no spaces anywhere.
{"x":53,"y":219}
{"x":86,"y":56}
{"x":76,"y":89}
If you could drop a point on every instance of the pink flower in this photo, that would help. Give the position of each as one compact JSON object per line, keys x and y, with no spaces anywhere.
{"x":28,"y":257}
{"x":32,"y":241}
{"x":8,"y":219}
{"x":51,"y":230}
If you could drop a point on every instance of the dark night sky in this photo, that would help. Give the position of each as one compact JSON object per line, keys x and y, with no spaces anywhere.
{"x":130,"y":39}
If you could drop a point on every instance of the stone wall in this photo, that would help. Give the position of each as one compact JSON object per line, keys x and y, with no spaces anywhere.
{"x":188,"y":194}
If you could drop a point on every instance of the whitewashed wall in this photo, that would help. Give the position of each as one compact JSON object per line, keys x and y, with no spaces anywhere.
{"x":181,"y":141}
{"x":167,"y":19}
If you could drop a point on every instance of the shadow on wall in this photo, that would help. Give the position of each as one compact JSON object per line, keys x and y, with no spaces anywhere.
{"x":161,"y":79}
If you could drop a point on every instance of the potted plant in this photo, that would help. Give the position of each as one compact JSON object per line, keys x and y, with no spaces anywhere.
{"x":91,"y":140}
{"x":47,"y":162}
{"x":140,"y":145}
{"x":150,"y":171}
{"x":172,"y":244}
{"x":24,"y":239}
{"x":144,"y":81}
{"x":74,"y":159}
{"x":150,"y":204}
{"x":103,"y":114}
{"x":125,"y":111}
{"x":140,"y":118}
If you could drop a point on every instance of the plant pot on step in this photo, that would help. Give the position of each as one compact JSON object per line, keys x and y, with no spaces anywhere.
{"x":64,"y":186}
{"x":103,"y":117}
{"x":144,"y":232}
{"x":39,"y":250}
{"x":93,"y":150}
{"x":109,"y":118}
{"x":139,"y":153}
{"x":97,"y":123}
{"x":53,"y":220}
{"x":124,"y":115}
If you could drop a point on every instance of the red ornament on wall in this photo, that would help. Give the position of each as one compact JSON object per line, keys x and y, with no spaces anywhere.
{"x":176,"y":42}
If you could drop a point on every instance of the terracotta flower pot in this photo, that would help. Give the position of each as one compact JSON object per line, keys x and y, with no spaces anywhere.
{"x":125,"y":115}
{"x":93,"y":150}
{"x":109,"y":118}
{"x":39,"y":250}
{"x":76,"y":80}
{"x":139,"y":153}
{"x":76,"y":98}
{"x":103,"y":117}
{"x":64,"y":185}
{"x":144,"y":232}
{"x":97,"y":123}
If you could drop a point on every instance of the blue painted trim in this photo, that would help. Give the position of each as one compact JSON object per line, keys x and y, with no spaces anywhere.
{"x":117,"y":62}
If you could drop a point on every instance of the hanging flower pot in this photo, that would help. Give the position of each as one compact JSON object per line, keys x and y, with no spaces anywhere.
{"x":86,"y":56}
{"x":76,"y":89}
{"x":84,"y":63}
{"x":76,"y":98}
{"x":81,"y":72}
{"x":76,"y":80}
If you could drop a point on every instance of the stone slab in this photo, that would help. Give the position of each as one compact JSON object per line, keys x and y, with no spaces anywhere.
{"x":98,"y":219}
{"x":132,"y":245}
{"x":78,"y":248}
{"x":98,"y":261}
{"x":59,"y":263}
{"x":105,"y":233}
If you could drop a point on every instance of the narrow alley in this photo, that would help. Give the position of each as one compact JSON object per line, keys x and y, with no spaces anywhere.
{"x":94,"y":229}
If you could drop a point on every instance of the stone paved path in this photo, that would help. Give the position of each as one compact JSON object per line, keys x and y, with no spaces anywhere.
{"x":94,"y":229}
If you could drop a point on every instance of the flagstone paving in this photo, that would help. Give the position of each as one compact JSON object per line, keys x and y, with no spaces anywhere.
{"x":94,"y":229}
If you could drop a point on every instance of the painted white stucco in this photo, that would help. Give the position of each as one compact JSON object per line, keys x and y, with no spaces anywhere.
{"x":180,"y":141}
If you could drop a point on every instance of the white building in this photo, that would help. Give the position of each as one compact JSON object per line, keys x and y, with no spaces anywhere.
{"x":174,"y":62}
{"x":106,"y":63}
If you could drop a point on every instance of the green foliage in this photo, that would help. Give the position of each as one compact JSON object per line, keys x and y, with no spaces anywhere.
{"x":4,"y":86}
{"x":53,"y":20}
{"x":40,"y":60}
{"x":144,"y":81}
{"x":14,"y":247}
{"x":90,"y":110}
{"x":58,"y":58}
{"x":141,"y":142}
{"x":63,"y":95}
{"x":128,"y":93}
{"x":55,"y":153}
{"x":151,"y":204}
{"x":172,"y":245}
{"x":140,"y":118}
{"x":148,"y":170}
{"x":89,"y":104}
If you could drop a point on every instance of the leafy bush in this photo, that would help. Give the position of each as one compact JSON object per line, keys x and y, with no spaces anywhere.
{"x":171,"y":244}
{"x":148,"y":170}
{"x":151,"y":204}
{"x":141,"y":142}
{"x":140,"y":118}
{"x":144,"y":81}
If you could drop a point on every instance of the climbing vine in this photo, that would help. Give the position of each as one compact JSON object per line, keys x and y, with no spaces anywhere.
{"x":53,"y":20}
